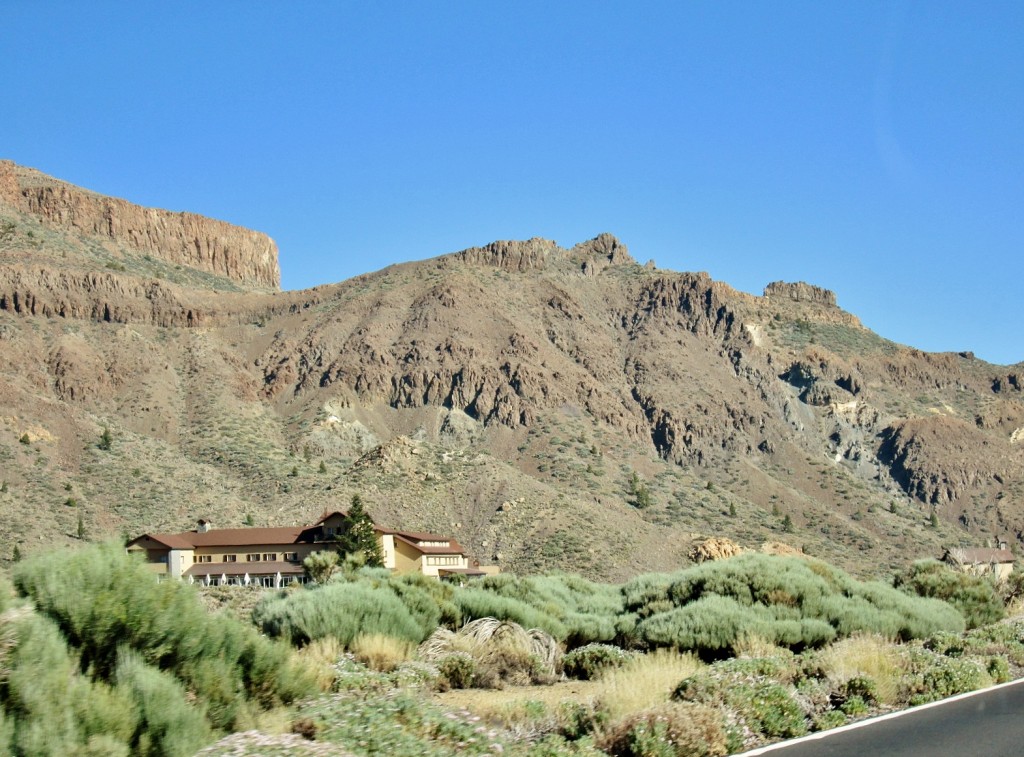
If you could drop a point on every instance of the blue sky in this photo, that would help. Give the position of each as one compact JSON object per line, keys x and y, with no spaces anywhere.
{"x":876,"y":149}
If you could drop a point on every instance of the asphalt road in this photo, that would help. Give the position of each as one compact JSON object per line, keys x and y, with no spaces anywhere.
{"x":989,"y":723}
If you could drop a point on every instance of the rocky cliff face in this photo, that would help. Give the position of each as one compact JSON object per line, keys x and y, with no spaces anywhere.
{"x":246,"y":257}
{"x":800,"y":291}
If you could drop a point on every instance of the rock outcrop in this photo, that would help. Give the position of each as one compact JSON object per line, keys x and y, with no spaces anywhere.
{"x":937,"y":460}
{"x":512,"y":256}
{"x":246,"y":257}
{"x":801,"y":292}
{"x":537,"y":254}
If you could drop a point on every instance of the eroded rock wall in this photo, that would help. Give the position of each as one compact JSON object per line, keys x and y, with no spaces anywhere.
{"x":247,"y":257}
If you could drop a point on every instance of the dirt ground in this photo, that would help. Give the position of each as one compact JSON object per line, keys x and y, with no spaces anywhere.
{"x":487,"y":701}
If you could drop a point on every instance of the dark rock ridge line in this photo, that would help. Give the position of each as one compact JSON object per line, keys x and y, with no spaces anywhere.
{"x":120,"y":298}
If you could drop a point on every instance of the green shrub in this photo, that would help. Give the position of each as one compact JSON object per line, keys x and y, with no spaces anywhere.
{"x":975,"y":597}
{"x":932,"y":676}
{"x":764,"y":706}
{"x":476,"y":603}
{"x":587,"y":611}
{"x":829,"y":719}
{"x":787,"y":601}
{"x":854,"y":706}
{"x":168,"y":727}
{"x":341,"y":610}
{"x":458,"y":670}
{"x":644,"y":590}
{"x":676,"y":729}
{"x":103,"y":602}
{"x":713,"y":624}
{"x":576,"y":719}
{"x":39,"y":678}
{"x":588,"y":661}
{"x":998,"y":669}
{"x":862,"y":687}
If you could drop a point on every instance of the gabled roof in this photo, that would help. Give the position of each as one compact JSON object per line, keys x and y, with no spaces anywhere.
{"x":171,"y":541}
{"x":984,"y":556}
{"x":330,"y":514}
{"x":233,"y":537}
{"x":422,"y":536}
{"x":414,"y":539}
{"x":283,"y":536}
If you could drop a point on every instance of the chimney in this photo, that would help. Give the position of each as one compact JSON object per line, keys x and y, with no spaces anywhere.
{"x":202,"y":526}
{"x":1002,"y":545}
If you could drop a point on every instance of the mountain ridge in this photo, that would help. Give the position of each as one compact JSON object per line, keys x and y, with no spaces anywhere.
{"x":518,"y":395}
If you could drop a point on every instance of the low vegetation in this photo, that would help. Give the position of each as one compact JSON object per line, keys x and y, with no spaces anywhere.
{"x":101,"y":659}
{"x":97,"y":658}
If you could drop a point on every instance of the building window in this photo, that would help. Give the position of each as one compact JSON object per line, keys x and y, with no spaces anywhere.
{"x":446,"y":560}
{"x":230,"y":558}
{"x":253,"y":558}
{"x":291,"y":556}
{"x":269,"y":557}
{"x":202,"y":558}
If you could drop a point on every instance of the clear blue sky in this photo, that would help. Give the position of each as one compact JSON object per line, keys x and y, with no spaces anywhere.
{"x":876,"y":149}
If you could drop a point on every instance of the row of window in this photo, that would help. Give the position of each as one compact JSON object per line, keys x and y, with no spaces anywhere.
{"x":269,"y":582}
{"x":254,"y":557}
{"x":445,"y":560}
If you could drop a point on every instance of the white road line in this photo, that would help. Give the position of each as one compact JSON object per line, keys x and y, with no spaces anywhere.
{"x":872,"y":721}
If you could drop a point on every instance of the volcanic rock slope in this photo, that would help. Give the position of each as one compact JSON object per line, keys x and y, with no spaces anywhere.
{"x":551,"y":408}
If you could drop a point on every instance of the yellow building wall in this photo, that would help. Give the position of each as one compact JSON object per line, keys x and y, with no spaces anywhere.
{"x":407,"y":558}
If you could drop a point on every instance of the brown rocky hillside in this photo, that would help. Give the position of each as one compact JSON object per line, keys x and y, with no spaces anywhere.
{"x":523,"y":397}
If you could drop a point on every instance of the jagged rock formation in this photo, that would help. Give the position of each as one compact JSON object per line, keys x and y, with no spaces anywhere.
{"x":244,"y":256}
{"x":800,"y":292}
{"x":938,"y":459}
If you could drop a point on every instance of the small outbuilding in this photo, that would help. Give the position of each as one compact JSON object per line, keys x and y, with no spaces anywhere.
{"x":982,"y":561}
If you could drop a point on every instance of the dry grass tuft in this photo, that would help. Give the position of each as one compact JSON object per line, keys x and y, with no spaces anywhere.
{"x":644,"y":682}
{"x":320,"y":658}
{"x":380,"y":652}
{"x":865,"y":655}
{"x":504,"y":652}
{"x":752,"y":645}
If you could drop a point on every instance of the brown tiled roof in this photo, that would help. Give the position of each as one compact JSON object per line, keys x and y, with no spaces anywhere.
{"x":987,"y":556}
{"x":471,"y":572}
{"x":327,"y":515}
{"x":420,"y":535}
{"x":172,"y":541}
{"x":453,"y":548}
{"x":282,"y":536}
{"x":268,"y":568}
{"x":235,"y":537}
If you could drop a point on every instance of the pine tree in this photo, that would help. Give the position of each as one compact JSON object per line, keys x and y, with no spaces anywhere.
{"x":105,"y":440}
{"x":361,"y":535}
